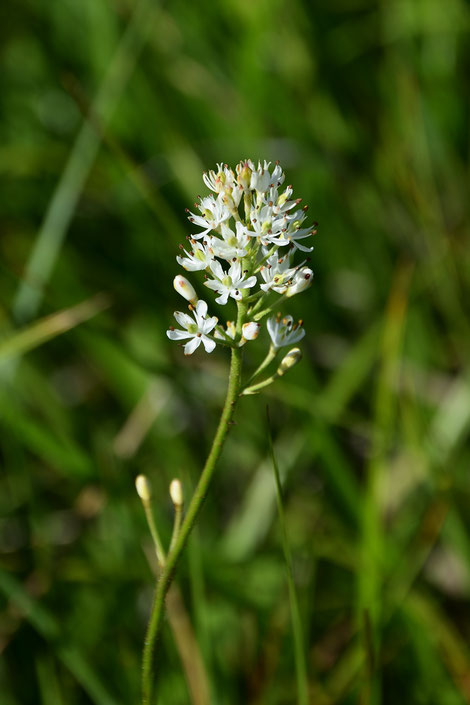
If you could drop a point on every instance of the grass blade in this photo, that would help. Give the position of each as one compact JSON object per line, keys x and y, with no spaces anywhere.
{"x":51,"y":326}
{"x":299,"y":651}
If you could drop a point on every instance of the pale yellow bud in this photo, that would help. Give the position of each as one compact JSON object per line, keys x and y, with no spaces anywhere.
{"x":290,"y":360}
{"x":176,"y":493}
{"x":250,"y":330}
{"x":244,"y":175}
{"x":143,"y":488}
{"x":185,"y":288}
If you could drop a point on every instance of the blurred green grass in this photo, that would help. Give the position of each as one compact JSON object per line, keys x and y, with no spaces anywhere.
{"x":365,"y":104}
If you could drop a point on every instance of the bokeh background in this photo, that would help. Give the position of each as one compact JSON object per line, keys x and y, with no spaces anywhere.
{"x":110,"y":111}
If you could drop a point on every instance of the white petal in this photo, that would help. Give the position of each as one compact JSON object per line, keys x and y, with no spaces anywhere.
{"x":272,"y":329}
{"x":235,"y":272}
{"x":201,"y":308}
{"x":297,"y":335}
{"x":217,"y":270}
{"x":190,"y":347}
{"x":302,"y":247}
{"x":208,"y":344}
{"x":191,"y":265}
{"x":223,"y":298}
{"x":177,"y":334}
{"x":248,"y":283}
{"x":183,"y":319}
{"x":209,"y":324}
{"x":214,"y":285}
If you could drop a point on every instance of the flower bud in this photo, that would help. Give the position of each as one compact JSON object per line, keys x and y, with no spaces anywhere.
{"x":302,"y":280}
{"x":143,"y":488}
{"x":290,"y":360}
{"x":244,"y":175}
{"x":176,"y":493}
{"x":183,"y":287}
{"x":250,"y":330}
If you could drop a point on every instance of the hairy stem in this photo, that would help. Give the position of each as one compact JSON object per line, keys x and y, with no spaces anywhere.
{"x":197,"y":500}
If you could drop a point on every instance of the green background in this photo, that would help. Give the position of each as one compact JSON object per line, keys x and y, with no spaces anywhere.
{"x":110,"y":111}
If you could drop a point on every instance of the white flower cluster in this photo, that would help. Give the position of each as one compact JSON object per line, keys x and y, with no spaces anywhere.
{"x":250,"y":229}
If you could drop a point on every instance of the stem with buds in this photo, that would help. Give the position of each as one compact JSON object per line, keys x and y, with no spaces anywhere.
{"x":181,"y":536}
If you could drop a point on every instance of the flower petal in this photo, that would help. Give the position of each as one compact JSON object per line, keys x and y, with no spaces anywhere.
{"x":214,"y":285}
{"x":201,"y":308}
{"x":217,"y":270}
{"x":223,"y":298}
{"x":209,"y":324}
{"x":248,"y":283}
{"x":190,"y":347}
{"x":209,"y":344}
{"x":178,"y":334}
{"x":183,"y":319}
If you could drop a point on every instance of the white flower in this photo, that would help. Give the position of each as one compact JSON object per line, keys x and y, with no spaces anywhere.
{"x":199,"y":258}
{"x":264,"y":226}
{"x":213,"y":213}
{"x":260,"y":178}
{"x":230,"y":283}
{"x":196,"y":330}
{"x":284,"y":331}
{"x":303,"y":278}
{"x":277,"y":273}
{"x":233,"y":245}
{"x":220,"y":180}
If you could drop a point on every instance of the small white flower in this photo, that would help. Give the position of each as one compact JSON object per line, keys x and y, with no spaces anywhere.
{"x":303,"y":278}
{"x":277,"y":273}
{"x":199,"y":258}
{"x":283,"y":331}
{"x":260,"y":178}
{"x":219,"y":180}
{"x":213,"y":213}
{"x":233,"y":245}
{"x":230,"y":283}
{"x":196,"y":330}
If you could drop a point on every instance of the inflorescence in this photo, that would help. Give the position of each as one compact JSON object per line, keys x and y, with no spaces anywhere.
{"x":251,"y":228}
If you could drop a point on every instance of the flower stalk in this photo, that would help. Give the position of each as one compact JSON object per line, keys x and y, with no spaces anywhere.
{"x":200,"y":493}
{"x":248,"y":260}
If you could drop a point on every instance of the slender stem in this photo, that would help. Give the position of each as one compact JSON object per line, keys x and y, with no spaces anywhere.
{"x":159,"y":550}
{"x":272,"y":352}
{"x":255,"y":388}
{"x":194,"y":508}
{"x":176,"y":525}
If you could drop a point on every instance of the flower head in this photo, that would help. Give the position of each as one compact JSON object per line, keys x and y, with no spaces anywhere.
{"x":250,"y":229}
{"x":195,"y":329}
{"x":283,"y":331}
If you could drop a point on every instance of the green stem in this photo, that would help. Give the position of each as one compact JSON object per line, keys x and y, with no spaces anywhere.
{"x":166,"y":576}
{"x":272,"y":352}
{"x":176,"y":525}
{"x":255,"y":388}
{"x":159,"y":550}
